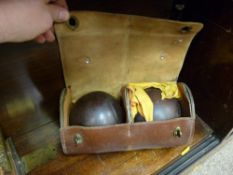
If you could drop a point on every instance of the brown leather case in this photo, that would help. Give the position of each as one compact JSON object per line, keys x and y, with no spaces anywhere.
{"x":102,"y":51}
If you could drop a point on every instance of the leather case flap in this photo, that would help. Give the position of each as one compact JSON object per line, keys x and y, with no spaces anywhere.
{"x":103,"y":51}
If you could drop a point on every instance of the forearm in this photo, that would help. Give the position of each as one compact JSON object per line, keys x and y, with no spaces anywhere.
{"x":24,"y":20}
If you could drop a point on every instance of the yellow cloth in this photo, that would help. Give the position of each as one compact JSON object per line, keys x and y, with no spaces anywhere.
{"x":141,"y":102}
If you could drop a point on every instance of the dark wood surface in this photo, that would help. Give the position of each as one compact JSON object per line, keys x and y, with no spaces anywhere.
{"x":31,"y":82}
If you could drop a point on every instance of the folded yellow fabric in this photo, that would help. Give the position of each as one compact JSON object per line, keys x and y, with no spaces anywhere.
{"x":141,"y":102}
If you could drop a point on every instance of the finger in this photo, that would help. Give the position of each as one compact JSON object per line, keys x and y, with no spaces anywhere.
{"x":49,"y":36}
{"x":59,"y":14}
{"x":40,"y":39}
{"x":52,"y":29}
{"x":62,"y":3}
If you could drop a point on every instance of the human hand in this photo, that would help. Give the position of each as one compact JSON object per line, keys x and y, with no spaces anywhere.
{"x":49,"y":35}
{"x":30,"y":19}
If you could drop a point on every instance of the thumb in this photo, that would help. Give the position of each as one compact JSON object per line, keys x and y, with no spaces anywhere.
{"x":59,"y":14}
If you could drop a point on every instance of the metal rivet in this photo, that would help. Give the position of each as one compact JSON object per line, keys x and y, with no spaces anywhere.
{"x":87,"y":60}
{"x":177,"y":132}
{"x":178,"y":41}
{"x":163,"y":55}
{"x":186,"y":29}
{"x":78,"y":138}
{"x":73,"y":23}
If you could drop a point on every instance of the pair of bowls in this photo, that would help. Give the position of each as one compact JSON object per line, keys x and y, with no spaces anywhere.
{"x":99,"y":109}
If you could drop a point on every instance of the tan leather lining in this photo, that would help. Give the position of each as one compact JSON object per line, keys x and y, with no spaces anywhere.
{"x":65,"y":107}
{"x":107,"y":51}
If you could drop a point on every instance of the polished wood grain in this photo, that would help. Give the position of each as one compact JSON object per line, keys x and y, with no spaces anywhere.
{"x":31,"y":81}
{"x":40,"y":137}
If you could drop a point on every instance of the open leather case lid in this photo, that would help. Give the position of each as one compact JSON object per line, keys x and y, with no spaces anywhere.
{"x":102,"y":51}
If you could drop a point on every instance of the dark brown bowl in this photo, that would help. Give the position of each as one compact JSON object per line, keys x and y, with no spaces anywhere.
{"x":163,"y":109}
{"x":96,"y":109}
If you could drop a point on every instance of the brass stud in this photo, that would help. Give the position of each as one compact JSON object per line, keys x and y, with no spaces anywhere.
{"x":78,"y":139}
{"x":87,"y":60}
{"x":163,"y":55}
{"x":186,"y":29}
{"x":177,"y":132}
